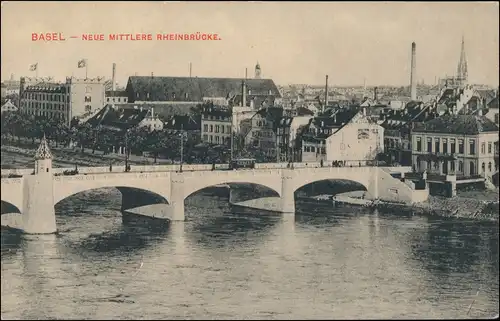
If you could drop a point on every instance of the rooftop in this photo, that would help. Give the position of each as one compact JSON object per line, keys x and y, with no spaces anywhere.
{"x":118,"y":118}
{"x":154,"y":88}
{"x":457,"y":124}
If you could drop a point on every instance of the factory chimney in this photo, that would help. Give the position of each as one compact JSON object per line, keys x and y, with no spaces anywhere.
{"x":113,"y":78}
{"x":326,"y":93}
{"x":375,"y":94}
{"x":413,"y":75}
{"x":243,"y":94}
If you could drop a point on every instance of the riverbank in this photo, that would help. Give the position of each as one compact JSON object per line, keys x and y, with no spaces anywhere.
{"x":22,"y":157}
{"x":477,"y":205}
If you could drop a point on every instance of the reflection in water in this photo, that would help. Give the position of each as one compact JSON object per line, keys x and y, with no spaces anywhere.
{"x":226,"y":264}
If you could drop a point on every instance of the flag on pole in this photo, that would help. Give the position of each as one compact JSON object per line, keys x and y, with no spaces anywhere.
{"x":34,"y":67}
{"x":82,"y":63}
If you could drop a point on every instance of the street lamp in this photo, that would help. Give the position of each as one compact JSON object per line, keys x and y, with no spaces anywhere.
{"x":182,"y":146}
{"x":126,"y":150}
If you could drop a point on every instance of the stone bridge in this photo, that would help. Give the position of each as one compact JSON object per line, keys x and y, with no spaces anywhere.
{"x":35,"y":195}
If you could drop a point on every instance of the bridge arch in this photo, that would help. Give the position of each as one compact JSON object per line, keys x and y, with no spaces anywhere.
{"x":150,"y":191}
{"x":194,"y":182}
{"x":361,"y":175}
{"x":9,"y":208}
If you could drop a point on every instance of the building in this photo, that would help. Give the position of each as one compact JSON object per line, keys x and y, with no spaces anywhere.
{"x":76,"y":98}
{"x":358,"y":140}
{"x":8,"y":107}
{"x":216,"y":123}
{"x":342,"y":134}
{"x":194,"y":89}
{"x":462,"y":144}
{"x":116,"y":96}
{"x":492,"y":110}
{"x":260,"y":133}
{"x":397,"y":126}
{"x":117,"y":116}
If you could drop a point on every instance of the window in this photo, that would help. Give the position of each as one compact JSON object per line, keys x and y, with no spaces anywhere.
{"x":489,"y":167}
{"x":217,"y":128}
{"x":437,"y":145}
{"x":460,"y":146}
{"x":429,"y":165}
{"x":489,"y":148}
{"x":460,"y":166}
{"x":88,"y":108}
{"x":211,"y":138}
{"x":472,"y":168}
{"x":88,"y":99}
{"x":453,"y":146}
{"x":445,"y":145}
{"x":483,"y":167}
{"x":483,"y":148}
{"x":429,"y":145}
{"x":211,"y":129}
{"x":205,"y":128}
{"x":452,"y":166}
{"x":222,"y":129}
{"x":419,"y":144}
{"x":228,"y":129}
{"x":205,"y":138}
{"x":472,"y":147}
{"x":217,"y":139}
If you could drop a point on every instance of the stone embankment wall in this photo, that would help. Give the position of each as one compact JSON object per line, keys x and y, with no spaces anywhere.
{"x":459,"y":207}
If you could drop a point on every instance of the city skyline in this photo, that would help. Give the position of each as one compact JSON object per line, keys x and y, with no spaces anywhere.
{"x":350,"y":42}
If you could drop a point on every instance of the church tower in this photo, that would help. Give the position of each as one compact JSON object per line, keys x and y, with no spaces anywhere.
{"x":43,"y":158}
{"x":257,"y":71}
{"x":462,"y":74}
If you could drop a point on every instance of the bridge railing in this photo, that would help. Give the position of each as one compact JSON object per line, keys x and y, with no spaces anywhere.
{"x":200,"y":167}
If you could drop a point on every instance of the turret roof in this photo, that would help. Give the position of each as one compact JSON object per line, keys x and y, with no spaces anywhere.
{"x":43,"y":151}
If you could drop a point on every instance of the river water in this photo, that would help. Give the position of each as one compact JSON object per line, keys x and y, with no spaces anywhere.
{"x":224,"y":263}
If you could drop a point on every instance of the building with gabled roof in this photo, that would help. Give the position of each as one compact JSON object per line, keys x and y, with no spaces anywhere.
{"x":195,"y":89}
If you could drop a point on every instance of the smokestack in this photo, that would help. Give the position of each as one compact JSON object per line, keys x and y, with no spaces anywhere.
{"x":326,"y":92}
{"x":413,"y":75}
{"x":375,"y":94}
{"x":243,"y":94}
{"x":190,"y":69}
{"x":246,"y":73}
{"x":113,"y":78}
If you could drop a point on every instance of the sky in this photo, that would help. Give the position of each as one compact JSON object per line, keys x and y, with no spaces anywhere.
{"x":294,"y":42}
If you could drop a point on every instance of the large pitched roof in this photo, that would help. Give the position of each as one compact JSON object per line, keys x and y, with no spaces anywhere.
{"x":152,"y":88}
{"x":118,"y":118}
{"x":457,"y":124}
{"x":163,"y":110}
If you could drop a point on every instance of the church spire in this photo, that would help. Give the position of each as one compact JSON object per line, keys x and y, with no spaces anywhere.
{"x":462,"y":73}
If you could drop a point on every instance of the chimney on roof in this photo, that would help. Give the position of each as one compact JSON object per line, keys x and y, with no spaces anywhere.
{"x":413,"y":72}
{"x":113,"y":78}
{"x":326,"y":91}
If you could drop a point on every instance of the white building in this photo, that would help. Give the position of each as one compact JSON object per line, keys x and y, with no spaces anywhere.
{"x":8,"y":106}
{"x":358,"y":140}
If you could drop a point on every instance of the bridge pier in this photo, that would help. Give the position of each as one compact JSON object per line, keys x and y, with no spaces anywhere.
{"x":177,"y":198}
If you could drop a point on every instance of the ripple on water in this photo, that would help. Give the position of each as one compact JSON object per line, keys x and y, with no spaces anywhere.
{"x":220,"y":264}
